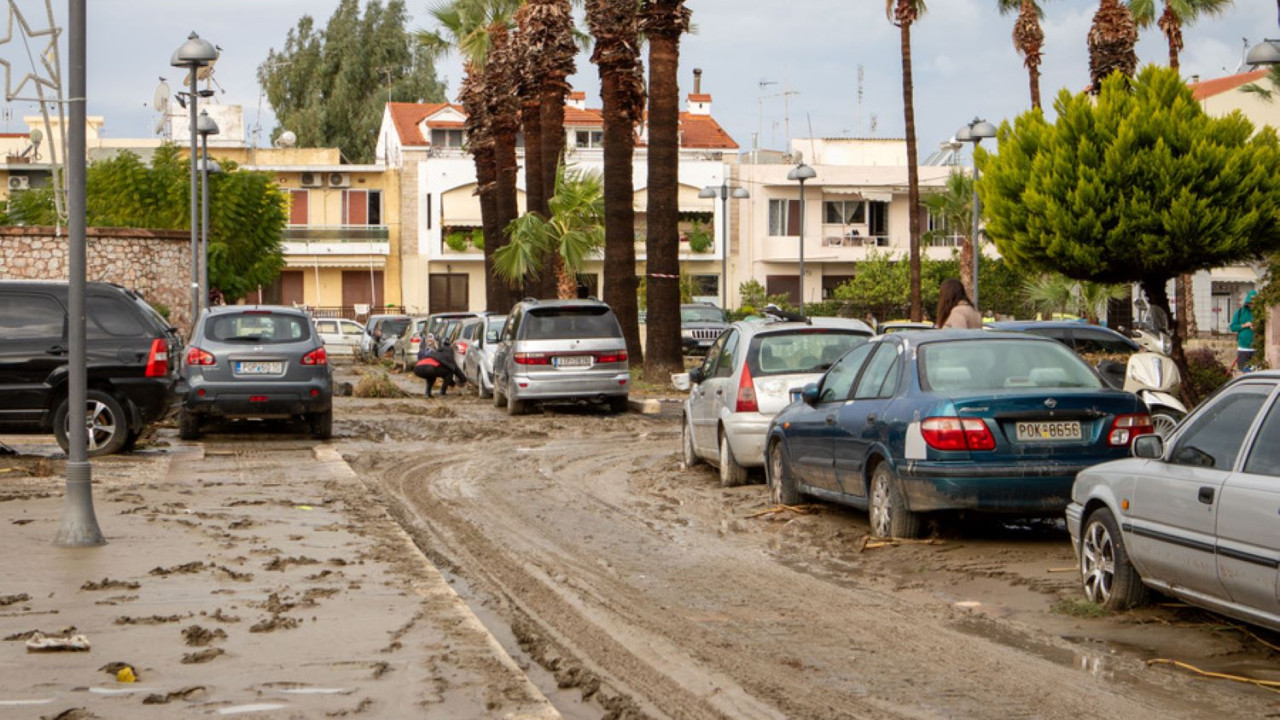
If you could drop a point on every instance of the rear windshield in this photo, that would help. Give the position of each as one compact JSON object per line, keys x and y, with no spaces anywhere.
{"x":701,"y":314}
{"x":394,"y":327}
{"x":803,"y":350}
{"x":997,"y":364}
{"x":572,"y":323}
{"x":258,"y":327}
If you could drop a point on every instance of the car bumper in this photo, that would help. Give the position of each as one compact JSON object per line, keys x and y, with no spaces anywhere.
{"x":1042,"y":489}
{"x":569,"y":388}
{"x":237,"y":400}
{"x":746,"y":433}
{"x":153,"y":398}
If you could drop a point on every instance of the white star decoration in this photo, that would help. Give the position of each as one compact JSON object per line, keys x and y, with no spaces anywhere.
{"x":45,"y":71}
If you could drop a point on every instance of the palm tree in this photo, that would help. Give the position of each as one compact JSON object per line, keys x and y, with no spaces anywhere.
{"x":1267,"y":92}
{"x":615,"y":26}
{"x":955,"y":206}
{"x":1112,"y":38}
{"x":904,"y":13}
{"x":1028,"y":39}
{"x":528,"y":88}
{"x":1054,"y":293}
{"x":663,"y":22}
{"x":1176,"y":15}
{"x":572,"y":232}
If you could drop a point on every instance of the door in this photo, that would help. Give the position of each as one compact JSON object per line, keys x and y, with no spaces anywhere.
{"x":811,"y":437}
{"x":1249,"y":523}
{"x":33,"y":345}
{"x":291,"y":292}
{"x":360,"y":287}
{"x":707,"y":397}
{"x":862,"y":422}
{"x":1174,"y":510}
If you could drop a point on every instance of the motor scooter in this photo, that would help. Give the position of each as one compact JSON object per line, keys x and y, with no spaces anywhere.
{"x":1151,"y":373}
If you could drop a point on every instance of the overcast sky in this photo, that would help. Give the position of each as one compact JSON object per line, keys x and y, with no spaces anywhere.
{"x":751,"y":53}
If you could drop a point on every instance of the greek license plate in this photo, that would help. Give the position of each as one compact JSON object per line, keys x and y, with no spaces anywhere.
{"x":571,"y":361}
{"x":1041,"y":431}
{"x":244,"y":367}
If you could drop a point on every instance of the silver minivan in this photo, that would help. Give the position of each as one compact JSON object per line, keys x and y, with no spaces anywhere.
{"x":557,"y":351}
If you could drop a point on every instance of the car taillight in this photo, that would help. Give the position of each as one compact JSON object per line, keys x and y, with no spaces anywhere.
{"x":532,"y":359}
{"x":1127,"y":427}
{"x":461,"y":347}
{"x":315,"y":357}
{"x":196,"y":356}
{"x":613,"y":357}
{"x":953,"y":433}
{"x":746,"y":393}
{"x":158,"y":360}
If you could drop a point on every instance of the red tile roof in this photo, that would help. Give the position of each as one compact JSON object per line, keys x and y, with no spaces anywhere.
{"x":1217,"y":86}
{"x":702,"y":97}
{"x":407,"y":117}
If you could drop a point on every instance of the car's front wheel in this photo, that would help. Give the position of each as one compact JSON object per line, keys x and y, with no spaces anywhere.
{"x":1106,"y":574}
{"x":782,"y":484}
{"x":887,"y":507}
{"x":731,"y":473}
{"x":687,"y":452}
{"x":1164,"y":423}
{"x":104,"y":418}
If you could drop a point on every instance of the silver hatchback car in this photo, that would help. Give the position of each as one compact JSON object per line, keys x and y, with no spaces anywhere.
{"x":561,"y":351}
{"x":253,"y":361}
{"x":1193,"y":515}
{"x":747,"y":377}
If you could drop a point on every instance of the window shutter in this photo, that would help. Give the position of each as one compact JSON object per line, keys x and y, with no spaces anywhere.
{"x":793,"y":217}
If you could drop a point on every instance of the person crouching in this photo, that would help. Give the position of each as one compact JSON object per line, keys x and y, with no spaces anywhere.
{"x":434,"y":363}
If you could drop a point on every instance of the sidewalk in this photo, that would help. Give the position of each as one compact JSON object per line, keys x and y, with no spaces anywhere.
{"x":258,"y":579}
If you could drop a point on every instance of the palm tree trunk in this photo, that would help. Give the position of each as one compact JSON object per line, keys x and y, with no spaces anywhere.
{"x":1171,"y":25}
{"x":913,"y":172}
{"x":531,"y":122}
{"x":503,"y":109}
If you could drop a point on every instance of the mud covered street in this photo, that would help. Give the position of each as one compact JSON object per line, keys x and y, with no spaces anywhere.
{"x":654,"y":592}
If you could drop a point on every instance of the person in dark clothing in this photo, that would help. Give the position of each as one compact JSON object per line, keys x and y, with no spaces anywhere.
{"x":436,"y":364}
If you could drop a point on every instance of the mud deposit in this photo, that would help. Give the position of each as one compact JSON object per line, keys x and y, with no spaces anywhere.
{"x":656,"y":593}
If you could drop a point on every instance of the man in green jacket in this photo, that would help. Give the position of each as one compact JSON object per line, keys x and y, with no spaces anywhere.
{"x":1242,"y":326}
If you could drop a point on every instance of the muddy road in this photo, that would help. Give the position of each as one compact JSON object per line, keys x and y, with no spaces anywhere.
{"x":656,"y":593}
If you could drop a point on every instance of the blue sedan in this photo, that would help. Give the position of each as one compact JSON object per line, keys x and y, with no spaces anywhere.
{"x":918,"y":422}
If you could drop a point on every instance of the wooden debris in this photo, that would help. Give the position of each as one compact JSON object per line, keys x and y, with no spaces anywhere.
{"x":871,"y":542}
{"x":778,"y":509}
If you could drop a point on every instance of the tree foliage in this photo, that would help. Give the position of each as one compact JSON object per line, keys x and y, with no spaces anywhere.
{"x":329,"y":86}
{"x":246,"y":219}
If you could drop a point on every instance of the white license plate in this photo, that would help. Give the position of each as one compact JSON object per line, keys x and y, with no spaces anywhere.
{"x":572,"y":361}
{"x":1051,"y":431}
{"x":244,"y":367}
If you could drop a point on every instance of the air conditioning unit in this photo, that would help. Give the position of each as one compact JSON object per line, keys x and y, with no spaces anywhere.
{"x":19,"y":182}
{"x":339,"y":180}
{"x":310,"y":179}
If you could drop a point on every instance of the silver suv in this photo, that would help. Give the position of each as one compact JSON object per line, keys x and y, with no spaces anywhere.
{"x":561,"y":351}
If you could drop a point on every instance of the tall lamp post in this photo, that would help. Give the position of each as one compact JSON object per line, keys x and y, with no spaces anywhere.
{"x":194,"y":54}
{"x":802,"y":172}
{"x":205,"y":126}
{"x":724,"y":192}
{"x":975,"y":132}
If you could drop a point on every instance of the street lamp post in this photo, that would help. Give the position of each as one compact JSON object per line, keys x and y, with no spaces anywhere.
{"x":802,"y":172}
{"x":724,"y":192}
{"x":975,"y":132}
{"x":194,"y":54}
{"x":206,"y":127}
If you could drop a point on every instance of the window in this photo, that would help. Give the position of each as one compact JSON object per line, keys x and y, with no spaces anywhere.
{"x":844,"y":212}
{"x":447,"y":138}
{"x":110,"y":317}
{"x":1264,"y":459}
{"x":997,"y":364}
{"x":1213,"y":438}
{"x":447,"y":292}
{"x":810,"y":350}
{"x":361,"y":207}
{"x":298,"y":207}
{"x":571,"y":323}
{"x":588,"y":138}
{"x":878,"y":218}
{"x":30,"y":317}
{"x":1097,"y":342}
{"x":258,"y":327}
{"x":728,"y":356}
{"x":784,"y":217}
{"x":880,"y":378}
{"x":713,"y":356}
{"x":838,"y":382}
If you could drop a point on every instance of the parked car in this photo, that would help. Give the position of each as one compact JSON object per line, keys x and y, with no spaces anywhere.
{"x":131,"y":353}
{"x":975,"y":420}
{"x":448,"y":329}
{"x":404,"y":351}
{"x":256,"y":361}
{"x":893,"y":326}
{"x":747,"y":377}
{"x":561,"y":351}
{"x":477,"y":362}
{"x":380,"y":335}
{"x":437,"y":321}
{"x":700,"y":325}
{"x":1092,"y":342}
{"x":341,"y":336}
{"x":1192,"y":515}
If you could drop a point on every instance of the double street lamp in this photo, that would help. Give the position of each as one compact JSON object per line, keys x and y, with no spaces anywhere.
{"x":205,"y":126}
{"x":724,"y":192}
{"x":975,"y":132}
{"x":802,"y":172}
{"x":194,"y":54}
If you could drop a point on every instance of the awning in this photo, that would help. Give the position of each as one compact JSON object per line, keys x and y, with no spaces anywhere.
{"x":1236,"y":274}
{"x":878,"y":195}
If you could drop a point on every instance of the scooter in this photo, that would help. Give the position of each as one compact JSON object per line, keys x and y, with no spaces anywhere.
{"x":1152,"y":375}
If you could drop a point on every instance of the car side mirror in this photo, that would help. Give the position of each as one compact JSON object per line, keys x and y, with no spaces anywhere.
{"x":696,"y":376}
{"x":680,"y":381}
{"x":810,"y":394}
{"x":1150,"y":447}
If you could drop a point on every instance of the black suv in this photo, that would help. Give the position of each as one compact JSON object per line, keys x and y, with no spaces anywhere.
{"x":129,"y":348}
{"x":700,"y":325}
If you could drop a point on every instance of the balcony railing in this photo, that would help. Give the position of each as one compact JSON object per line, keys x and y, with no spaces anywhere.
{"x":855,"y":241}
{"x":337,"y":233}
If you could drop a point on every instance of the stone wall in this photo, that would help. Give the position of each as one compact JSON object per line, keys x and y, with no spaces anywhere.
{"x":155,"y":263}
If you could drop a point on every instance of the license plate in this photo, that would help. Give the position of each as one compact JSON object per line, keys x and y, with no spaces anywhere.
{"x":1052,"y":431}
{"x":572,"y":361}
{"x":244,"y":367}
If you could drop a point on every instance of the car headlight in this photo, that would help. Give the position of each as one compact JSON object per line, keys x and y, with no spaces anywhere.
{"x":686,"y":333}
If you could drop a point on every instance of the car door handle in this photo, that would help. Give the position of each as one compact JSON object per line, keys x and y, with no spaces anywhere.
{"x":871,"y":418}
{"x":1206,"y":495}
{"x":56,"y":350}
{"x":831,"y":419}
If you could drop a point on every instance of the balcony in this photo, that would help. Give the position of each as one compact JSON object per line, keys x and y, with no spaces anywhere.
{"x":337,"y":240}
{"x":851,"y":241}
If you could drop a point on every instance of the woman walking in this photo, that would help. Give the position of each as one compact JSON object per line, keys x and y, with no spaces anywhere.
{"x":954,"y":308}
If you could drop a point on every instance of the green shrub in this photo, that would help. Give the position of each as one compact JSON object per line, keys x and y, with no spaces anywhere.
{"x":457,"y":241}
{"x":1206,"y":371}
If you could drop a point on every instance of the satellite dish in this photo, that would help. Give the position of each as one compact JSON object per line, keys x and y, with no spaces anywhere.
{"x":36,"y":136}
{"x":287,"y":139}
{"x":160,"y":101}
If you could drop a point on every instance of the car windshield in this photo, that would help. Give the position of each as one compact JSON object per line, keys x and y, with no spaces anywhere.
{"x":803,"y":350}
{"x":988,"y":364}
{"x":701,"y":314}
{"x":258,"y":327}
{"x":592,"y":321}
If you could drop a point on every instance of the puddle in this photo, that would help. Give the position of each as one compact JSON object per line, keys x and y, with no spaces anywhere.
{"x":1094,"y":658}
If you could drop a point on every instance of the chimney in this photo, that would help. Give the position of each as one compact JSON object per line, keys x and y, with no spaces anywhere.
{"x":577,"y":99}
{"x":699,"y":104}
{"x":697,"y":81}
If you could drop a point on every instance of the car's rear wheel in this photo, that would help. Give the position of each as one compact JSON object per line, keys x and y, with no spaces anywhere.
{"x":782,"y":484}
{"x":104,"y":418}
{"x":618,"y":404}
{"x":1106,"y":574}
{"x":687,"y":452}
{"x":887,"y":507}
{"x":516,"y":407}
{"x":731,"y":473}
{"x":188,"y":425}
{"x":322,"y":425}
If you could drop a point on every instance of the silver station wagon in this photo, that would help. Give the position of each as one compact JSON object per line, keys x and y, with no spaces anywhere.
{"x":1195,"y":515}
